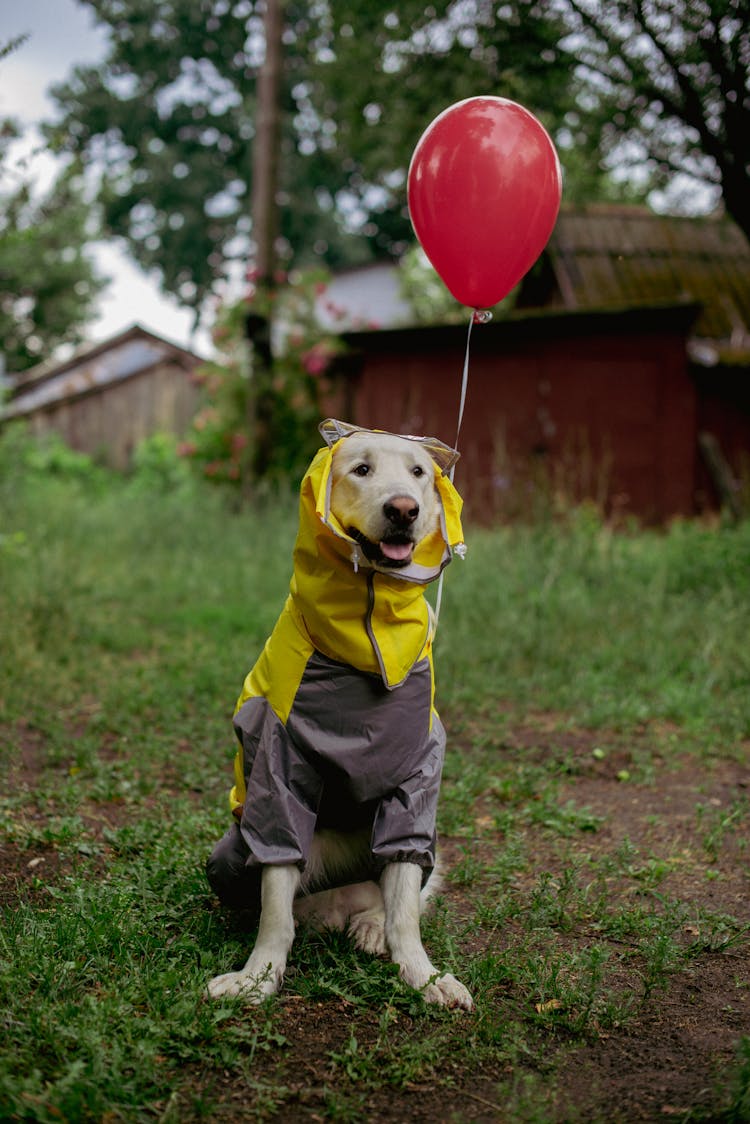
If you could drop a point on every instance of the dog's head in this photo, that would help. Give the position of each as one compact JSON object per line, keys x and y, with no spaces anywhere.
{"x":383,"y":494}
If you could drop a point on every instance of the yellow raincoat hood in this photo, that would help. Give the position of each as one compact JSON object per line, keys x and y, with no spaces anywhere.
{"x":349,"y":608}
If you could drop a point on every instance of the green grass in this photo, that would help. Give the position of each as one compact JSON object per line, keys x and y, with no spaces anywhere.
{"x":131,"y":612}
{"x":614,"y":629}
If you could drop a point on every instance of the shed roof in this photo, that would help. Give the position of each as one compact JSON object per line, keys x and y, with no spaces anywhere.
{"x":612,"y":255}
{"x":93,"y":368}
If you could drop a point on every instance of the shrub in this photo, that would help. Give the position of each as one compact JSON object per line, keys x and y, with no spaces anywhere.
{"x":221,"y":442}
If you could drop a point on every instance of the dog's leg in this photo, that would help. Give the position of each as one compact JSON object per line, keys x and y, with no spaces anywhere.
{"x":264,"y":971}
{"x":400,"y":884}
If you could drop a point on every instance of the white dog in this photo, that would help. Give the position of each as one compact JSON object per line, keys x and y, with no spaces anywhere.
{"x":341,"y":750}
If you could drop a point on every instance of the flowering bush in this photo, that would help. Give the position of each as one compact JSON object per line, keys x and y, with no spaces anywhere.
{"x":224,"y":439}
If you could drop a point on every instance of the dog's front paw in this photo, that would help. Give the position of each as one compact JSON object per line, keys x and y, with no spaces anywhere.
{"x":253,"y":988}
{"x":367,"y":931}
{"x":447,"y":991}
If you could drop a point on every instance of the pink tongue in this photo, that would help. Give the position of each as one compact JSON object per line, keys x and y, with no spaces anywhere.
{"x":396,"y":551}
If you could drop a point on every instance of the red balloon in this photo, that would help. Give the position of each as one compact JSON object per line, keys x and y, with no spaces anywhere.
{"x":484,"y":189}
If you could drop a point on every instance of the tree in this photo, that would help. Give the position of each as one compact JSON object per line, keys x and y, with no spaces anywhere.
{"x":665,"y":84}
{"x":168,"y":118}
{"x":48,"y":285}
{"x":221,"y":443}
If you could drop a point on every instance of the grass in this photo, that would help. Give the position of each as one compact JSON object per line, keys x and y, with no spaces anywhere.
{"x":575,"y":614}
{"x":131,"y":611}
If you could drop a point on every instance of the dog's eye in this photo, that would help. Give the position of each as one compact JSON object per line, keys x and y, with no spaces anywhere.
{"x":361,"y":469}
{"x":417,"y":470}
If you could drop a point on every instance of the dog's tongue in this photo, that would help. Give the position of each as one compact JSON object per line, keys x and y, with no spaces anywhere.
{"x":396,"y":551}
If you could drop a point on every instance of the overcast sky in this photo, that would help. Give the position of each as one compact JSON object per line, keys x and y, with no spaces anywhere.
{"x":62,"y":35}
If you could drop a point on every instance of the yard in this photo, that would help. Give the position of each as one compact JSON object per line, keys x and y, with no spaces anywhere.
{"x":594,"y":824}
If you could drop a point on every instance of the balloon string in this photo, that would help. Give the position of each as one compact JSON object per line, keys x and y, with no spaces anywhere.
{"x":464,"y":385}
{"x":477,"y":317}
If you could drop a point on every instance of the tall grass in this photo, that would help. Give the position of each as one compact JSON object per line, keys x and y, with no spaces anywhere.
{"x":613,"y":629}
{"x":610,"y":628}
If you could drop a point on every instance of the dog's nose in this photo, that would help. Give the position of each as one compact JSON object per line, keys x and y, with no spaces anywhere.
{"x":401,"y":510}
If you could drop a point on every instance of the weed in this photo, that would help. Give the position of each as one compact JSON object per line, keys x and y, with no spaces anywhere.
{"x":735,"y":1093}
{"x":469,"y":869}
{"x":717,"y":823}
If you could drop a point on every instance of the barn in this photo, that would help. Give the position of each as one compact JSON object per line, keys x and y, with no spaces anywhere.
{"x":622,"y":375}
{"x":107,"y":398}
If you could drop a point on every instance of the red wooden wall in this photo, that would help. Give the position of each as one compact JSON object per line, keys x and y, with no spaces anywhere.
{"x":560,"y":407}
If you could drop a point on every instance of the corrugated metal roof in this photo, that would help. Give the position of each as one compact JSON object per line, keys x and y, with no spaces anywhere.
{"x":614,"y":256}
{"x":119,"y":358}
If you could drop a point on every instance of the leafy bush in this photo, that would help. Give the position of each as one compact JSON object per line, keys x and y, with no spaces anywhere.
{"x":224,"y":441}
{"x":158,"y":465}
{"x":20,"y":453}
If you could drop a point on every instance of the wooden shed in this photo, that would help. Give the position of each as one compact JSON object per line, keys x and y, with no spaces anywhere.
{"x":617,"y":256}
{"x":629,"y":340}
{"x":109,"y":397}
{"x":561,"y":407}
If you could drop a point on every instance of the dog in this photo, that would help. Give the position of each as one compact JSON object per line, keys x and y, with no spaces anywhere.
{"x":341,"y":750}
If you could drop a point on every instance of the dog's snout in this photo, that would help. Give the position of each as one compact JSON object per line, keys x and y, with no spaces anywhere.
{"x":401,"y":510}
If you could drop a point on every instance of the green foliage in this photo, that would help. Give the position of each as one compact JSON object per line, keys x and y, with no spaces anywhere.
{"x":237,"y":387}
{"x":574,"y":610}
{"x":167,"y":120}
{"x":41,"y":457}
{"x":737,"y":1110}
{"x":157,"y":464}
{"x":48,"y":284}
{"x":11,"y":45}
{"x":664,"y":86}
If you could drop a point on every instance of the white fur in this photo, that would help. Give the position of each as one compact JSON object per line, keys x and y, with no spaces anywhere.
{"x":332,"y":893}
{"x":396,"y":469}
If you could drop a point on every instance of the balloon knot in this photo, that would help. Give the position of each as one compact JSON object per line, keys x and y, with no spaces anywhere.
{"x":482,"y":316}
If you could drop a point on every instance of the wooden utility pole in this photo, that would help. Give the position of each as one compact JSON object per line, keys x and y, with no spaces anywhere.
{"x":264,"y":213}
{"x":266,"y":143}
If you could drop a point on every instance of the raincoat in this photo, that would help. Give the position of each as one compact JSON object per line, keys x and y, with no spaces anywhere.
{"x":336,"y":721}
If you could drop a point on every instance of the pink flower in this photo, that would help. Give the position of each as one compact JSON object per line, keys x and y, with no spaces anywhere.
{"x":316,"y":360}
{"x":187,"y":449}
